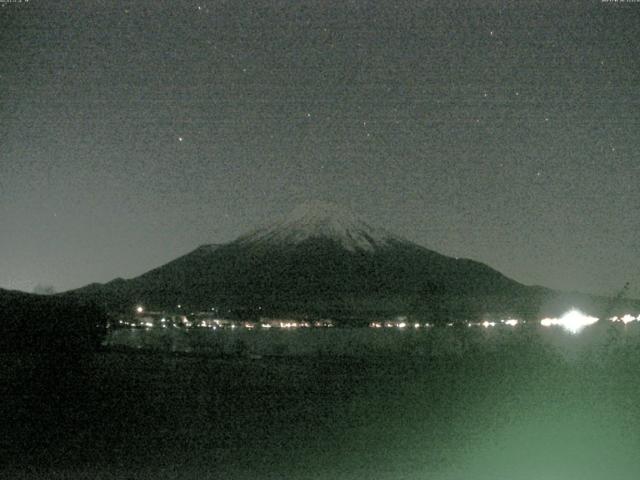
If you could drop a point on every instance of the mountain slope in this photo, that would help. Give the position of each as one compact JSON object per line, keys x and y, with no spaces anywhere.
{"x":319,"y":259}
{"x":323,"y":260}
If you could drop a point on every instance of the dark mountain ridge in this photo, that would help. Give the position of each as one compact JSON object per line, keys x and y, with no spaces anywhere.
{"x":49,"y":323}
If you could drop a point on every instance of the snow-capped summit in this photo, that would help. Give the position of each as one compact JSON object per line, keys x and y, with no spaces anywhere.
{"x":323,"y":220}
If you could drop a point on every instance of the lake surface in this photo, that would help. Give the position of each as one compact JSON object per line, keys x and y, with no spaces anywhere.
{"x":525,"y":404}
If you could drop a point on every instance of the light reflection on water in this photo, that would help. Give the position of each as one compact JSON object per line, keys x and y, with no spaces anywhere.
{"x":572,"y":336}
{"x":512,"y":403}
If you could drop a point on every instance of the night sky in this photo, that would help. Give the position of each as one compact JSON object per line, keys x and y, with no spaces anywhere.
{"x":506,"y":132}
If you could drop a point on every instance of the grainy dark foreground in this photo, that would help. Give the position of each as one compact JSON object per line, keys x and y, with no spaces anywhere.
{"x":523,"y":411}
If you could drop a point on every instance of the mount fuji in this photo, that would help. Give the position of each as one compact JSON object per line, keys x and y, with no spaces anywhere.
{"x":323,"y":260}
{"x":323,"y":220}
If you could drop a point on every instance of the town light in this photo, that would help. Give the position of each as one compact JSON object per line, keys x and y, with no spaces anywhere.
{"x":573,"y":321}
{"x":627,"y":318}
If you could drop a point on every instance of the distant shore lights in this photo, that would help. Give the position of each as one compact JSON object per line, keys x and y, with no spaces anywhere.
{"x":627,"y":318}
{"x":573,"y":321}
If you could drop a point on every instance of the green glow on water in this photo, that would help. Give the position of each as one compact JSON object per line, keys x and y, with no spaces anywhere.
{"x":509,"y":404}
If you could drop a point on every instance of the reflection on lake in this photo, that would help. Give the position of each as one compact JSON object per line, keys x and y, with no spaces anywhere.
{"x":592,"y":340}
{"x":444,"y":404}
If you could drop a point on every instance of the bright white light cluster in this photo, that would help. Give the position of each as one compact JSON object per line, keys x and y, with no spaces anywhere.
{"x":511,"y":322}
{"x":294,"y":324}
{"x":625,"y":319}
{"x":398,"y":324}
{"x":573,"y":321}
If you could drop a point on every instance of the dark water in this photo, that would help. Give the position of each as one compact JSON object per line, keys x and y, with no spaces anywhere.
{"x":525,"y":410}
